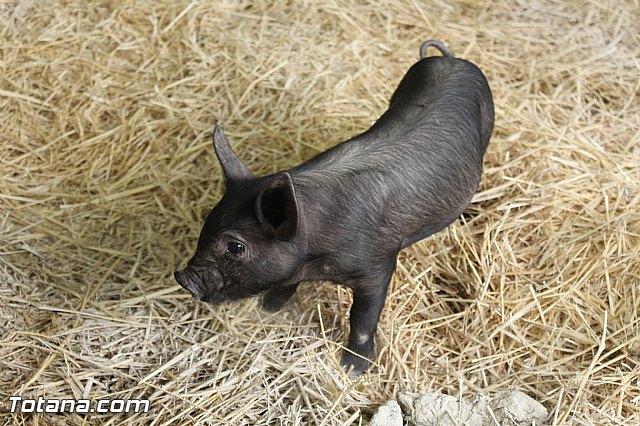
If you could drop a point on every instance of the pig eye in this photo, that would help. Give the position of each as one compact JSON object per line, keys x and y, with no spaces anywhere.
{"x":235,"y":247}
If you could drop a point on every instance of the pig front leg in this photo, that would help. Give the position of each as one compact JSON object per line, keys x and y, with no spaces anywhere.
{"x":275,"y":298}
{"x":368,"y":301}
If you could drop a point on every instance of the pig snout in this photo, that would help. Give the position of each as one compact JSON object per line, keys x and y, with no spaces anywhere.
{"x":200,"y":281}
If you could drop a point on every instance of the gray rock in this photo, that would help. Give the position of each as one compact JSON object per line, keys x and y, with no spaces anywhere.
{"x":512,"y":408}
{"x":436,"y":409}
{"x":516,"y":408}
{"x":388,"y":414}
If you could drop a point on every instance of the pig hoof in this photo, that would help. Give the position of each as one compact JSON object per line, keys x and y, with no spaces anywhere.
{"x":354,"y":364}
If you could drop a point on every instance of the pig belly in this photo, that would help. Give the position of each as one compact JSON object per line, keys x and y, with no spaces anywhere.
{"x":424,"y":233}
{"x":432,"y":228}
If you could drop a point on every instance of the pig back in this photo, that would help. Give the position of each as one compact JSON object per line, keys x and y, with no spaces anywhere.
{"x":442,"y":94}
{"x":417,"y":168}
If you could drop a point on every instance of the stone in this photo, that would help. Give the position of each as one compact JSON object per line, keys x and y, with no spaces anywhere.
{"x":516,"y":408}
{"x":437,"y":409}
{"x":511,"y":408}
{"x":388,"y":414}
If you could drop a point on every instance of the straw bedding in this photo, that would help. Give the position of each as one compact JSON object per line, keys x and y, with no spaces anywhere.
{"x":106,"y":173}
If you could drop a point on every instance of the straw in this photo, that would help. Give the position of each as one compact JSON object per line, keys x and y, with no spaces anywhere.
{"x":107,"y":171}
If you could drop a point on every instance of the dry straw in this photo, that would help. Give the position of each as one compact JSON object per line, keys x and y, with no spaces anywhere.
{"x":106,"y":172}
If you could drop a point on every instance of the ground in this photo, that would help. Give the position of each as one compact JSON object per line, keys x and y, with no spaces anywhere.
{"x":107,"y":170}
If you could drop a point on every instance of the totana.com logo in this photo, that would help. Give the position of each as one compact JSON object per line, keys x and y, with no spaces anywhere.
{"x":81,"y":406}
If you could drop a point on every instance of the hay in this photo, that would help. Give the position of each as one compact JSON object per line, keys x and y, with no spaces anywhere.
{"x":106,"y":172}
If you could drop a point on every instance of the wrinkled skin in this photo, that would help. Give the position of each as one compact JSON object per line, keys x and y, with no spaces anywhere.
{"x":345,"y":214}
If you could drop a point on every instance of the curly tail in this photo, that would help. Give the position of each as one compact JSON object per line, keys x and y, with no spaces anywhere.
{"x":438,"y":45}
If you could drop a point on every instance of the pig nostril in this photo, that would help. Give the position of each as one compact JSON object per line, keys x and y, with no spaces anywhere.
{"x":199,"y":280}
{"x":181,"y":277}
{"x":185,"y":280}
{"x":195,"y":280}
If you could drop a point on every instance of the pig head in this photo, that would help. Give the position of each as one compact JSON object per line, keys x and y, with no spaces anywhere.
{"x":251,"y":240}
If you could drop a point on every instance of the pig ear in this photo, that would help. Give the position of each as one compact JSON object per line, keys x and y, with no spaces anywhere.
{"x":277,"y":208}
{"x":232,"y":166}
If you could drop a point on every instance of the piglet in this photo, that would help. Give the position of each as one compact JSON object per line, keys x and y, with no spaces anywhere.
{"x":344,"y":215}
